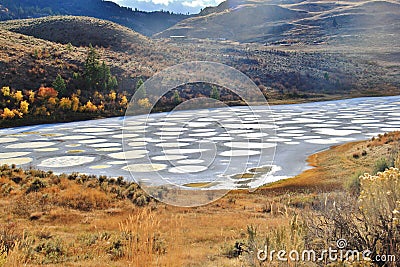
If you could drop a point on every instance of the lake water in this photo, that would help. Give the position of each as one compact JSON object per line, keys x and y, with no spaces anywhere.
{"x":194,"y":147}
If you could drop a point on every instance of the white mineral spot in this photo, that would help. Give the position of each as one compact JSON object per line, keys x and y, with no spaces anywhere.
{"x":168,"y":133}
{"x":77,"y":137}
{"x":99,"y":167}
{"x":93,"y":141}
{"x":125,"y":135}
{"x":239,"y":153}
{"x":390,"y":129}
{"x":165,"y":138}
{"x":202,"y":130}
{"x":172,"y":145}
{"x":17,"y":161}
{"x":168,"y":157}
{"x":288,"y":135}
{"x":335,"y":132}
{"x":93,"y":130}
{"x":103,"y":133}
{"x":145,"y":167}
{"x":277,"y":139}
{"x":304,"y":120}
{"x":66,"y":161}
{"x":249,"y":145}
{"x":117,"y":162}
{"x":197,"y":124}
{"x":6,"y":155}
{"x":319,"y":125}
{"x":289,"y":128}
{"x":130,"y":129}
{"x":295,"y":131}
{"x":133,"y":123}
{"x":210,"y":119}
{"x":136,"y":144}
{"x":140,"y":139}
{"x":173,"y":129}
{"x":393,"y":123}
{"x":246,"y":131}
{"x":162,"y":123}
{"x":292,"y":143}
{"x":132,"y":154}
{"x":190,"y":161}
{"x":184,"y":151}
{"x":109,"y":149}
{"x":187,"y":169}
{"x":221,"y":138}
{"x":329,"y":140}
{"x":364,"y":121}
{"x":31,"y":145}
{"x":206,"y":134}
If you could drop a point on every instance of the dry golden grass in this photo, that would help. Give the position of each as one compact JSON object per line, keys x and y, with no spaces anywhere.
{"x":81,"y":222}
{"x":333,"y":166}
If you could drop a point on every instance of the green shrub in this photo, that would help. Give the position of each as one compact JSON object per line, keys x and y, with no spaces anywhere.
{"x":382,"y":164}
{"x":370,"y":221}
{"x":353,"y":183}
{"x":35,"y":186}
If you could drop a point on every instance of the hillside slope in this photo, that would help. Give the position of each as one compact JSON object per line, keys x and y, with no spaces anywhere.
{"x":34,"y":51}
{"x":81,"y":31}
{"x":146,"y":23}
{"x":289,"y":22}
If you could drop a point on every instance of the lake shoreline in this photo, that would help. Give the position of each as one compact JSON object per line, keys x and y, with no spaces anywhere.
{"x":33,"y":121}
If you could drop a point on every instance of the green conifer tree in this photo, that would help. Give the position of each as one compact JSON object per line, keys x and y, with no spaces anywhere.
{"x":60,"y":86}
{"x":214,"y":93}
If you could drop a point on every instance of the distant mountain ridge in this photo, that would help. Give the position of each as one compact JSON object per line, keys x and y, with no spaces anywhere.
{"x":147,"y":23}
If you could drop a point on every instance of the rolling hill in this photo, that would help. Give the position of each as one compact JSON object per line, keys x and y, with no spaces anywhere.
{"x":146,"y":23}
{"x":291,"y":22}
{"x":80,"y":31}
{"x":34,"y":51}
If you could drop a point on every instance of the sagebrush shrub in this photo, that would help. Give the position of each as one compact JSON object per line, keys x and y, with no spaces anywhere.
{"x":370,"y":221}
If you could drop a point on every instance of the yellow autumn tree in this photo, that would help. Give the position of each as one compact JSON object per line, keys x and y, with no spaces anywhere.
{"x":10,"y":114}
{"x":144,"y":103}
{"x":5,"y":91}
{"x":24,"y":107}
{"x":101,"y":107}
{"x":18,"y":96}
{"x":31,"y":95}
{"x":65,"y":103}
{"x":75,"y":103}
{"x":124,"y":101}
{"x":52,"y":102}
{"x":98,"y":95}
{"x":89,"y":106}
{"x":42,"y":111}
{"x":112,"y":95}
{"x":7,"y":113}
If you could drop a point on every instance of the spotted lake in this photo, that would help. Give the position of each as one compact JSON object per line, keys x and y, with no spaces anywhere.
{"x":202,"y":145}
